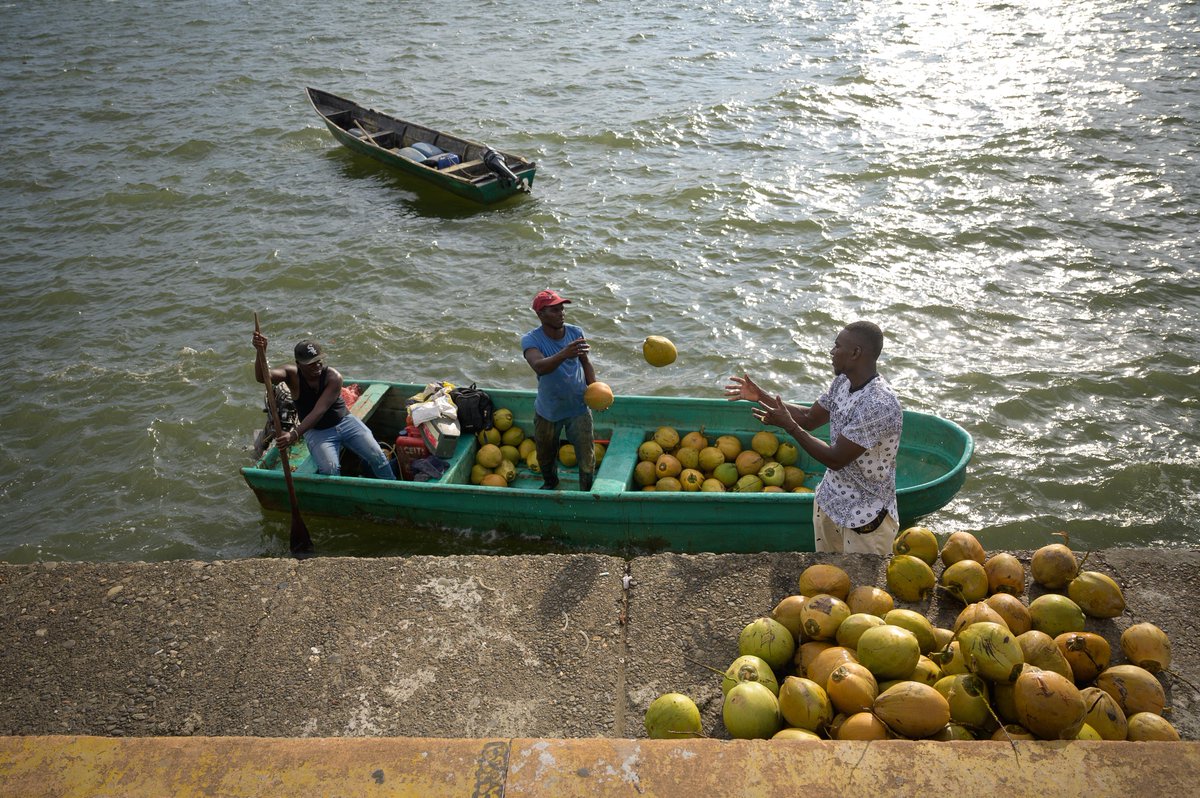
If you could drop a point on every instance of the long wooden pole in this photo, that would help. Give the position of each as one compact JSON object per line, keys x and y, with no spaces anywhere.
{"x":301,"y":541}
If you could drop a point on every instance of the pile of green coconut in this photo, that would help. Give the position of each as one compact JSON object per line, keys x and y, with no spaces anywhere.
{"x":842,"y":662}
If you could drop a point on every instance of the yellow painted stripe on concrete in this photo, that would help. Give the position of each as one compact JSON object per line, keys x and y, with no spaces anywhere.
{"x":248,"y":767}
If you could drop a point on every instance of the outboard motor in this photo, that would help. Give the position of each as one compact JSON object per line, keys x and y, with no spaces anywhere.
{"x":494,"y":161}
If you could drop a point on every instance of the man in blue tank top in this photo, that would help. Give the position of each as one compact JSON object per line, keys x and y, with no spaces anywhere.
{"x":854,"y":509}
{"x":325,"y":422}
{"x":558,"y":353}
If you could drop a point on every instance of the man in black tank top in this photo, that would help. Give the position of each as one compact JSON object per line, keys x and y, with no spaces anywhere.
{"x":325,"y":422}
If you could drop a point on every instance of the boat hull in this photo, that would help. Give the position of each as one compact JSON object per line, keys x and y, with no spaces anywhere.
{"x":614,"y":515}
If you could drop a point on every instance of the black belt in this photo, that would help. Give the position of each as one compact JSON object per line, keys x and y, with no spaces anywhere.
{"x":873,"y":524}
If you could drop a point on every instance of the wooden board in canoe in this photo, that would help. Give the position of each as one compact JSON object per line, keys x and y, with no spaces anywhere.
{"x":615,"y":514}
{"x":481,"y":173}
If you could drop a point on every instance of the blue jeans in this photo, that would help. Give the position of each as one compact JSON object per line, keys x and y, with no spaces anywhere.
{"x":323,"y":446}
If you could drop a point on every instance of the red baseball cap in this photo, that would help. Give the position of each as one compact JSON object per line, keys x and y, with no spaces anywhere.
{"x":547,"y":298}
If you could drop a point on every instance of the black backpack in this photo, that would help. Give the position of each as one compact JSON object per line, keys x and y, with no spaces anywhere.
{"x":474,"y":409}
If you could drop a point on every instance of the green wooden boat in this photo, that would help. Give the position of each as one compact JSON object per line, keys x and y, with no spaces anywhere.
{"x":615,"y":514}
{"x":482,"y":173}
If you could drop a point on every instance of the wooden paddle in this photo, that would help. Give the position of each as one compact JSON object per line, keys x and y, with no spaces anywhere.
{"x":301,"y":541}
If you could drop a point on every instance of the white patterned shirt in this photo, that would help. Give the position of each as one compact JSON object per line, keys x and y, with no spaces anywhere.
{"x":870,"y":417}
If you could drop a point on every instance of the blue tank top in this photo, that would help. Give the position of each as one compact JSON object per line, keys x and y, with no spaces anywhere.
{"x":560,"y":393}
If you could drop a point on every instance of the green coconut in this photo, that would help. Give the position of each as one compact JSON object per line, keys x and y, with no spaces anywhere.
{"x":1104,"y":714}
{"x":889,"y":652}
{"x":1054,"y":614}
{"x":673,"y":716}
{"x":966,"y":580}
{"x":909,"y":578}
{"x":1147,"y":646}
{"x":751,"y":712}
{"x":992,"y":651}
{"x":804,"y":704}
{"x":951,"y":732}
{"x":749,"y":668}
{"x":796,"y":734}
{"x":768,"y":639}
{"x":1086,"y":732}
{"x":1005,"y":574}
{"x":1086,"y":652}
{"x":1053,"y":566}
{"x":1040,"y":651}
{"x":853,"y":627}
{"x":1097,"y":594}
{"x":821,"y":616}
{"x":1049,"y":704}
{"x":916,"y":623}
{"x":1134,"y":688}
{"x":1146,"y":727}
{"x":967,"y":696}
{"x":1012,"y":611}
{"x":912,"y":709}
{"x":918,"y":541}
{"x":950,"y":659}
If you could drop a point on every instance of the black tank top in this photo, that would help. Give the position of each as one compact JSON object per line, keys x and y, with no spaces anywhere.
{"x":308,"y":399}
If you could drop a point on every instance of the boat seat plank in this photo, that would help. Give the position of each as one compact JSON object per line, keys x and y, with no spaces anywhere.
{"x":619,"y":460}
{"x":458,"y":167}
{"x":368,"y":400}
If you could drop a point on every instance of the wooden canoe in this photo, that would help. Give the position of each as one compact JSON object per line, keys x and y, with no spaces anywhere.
{"x":615,"y":514}
{"x":382,"y":137}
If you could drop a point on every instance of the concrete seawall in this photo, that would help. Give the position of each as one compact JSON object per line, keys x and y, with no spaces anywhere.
{"x":475,"y":648}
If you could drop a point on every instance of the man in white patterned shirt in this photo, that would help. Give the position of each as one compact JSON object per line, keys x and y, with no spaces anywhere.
{"x":855,"y":505}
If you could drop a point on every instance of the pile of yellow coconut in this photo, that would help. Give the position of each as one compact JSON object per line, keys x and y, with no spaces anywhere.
{"x":836,"y":661}
{"x":668,"y":461}
{"x":504,"y":448}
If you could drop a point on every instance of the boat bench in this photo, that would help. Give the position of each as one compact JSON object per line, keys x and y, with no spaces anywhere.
{"x":458,"y":167}
{"x":619,"y":460}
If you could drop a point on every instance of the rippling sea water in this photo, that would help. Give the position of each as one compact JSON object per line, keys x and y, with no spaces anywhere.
{"x":1010,"y":190}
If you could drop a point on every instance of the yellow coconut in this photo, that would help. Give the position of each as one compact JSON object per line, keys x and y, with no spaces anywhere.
{"x":942,"y":637}
{"x":667,"y":465}
{"x":824,"y":578}
{"x":531,"y":462}
{"x":1012,"y":610}
{"x":668,"y":485}
{"x":485,"y":436}
{"x":730,"y":446}
{"x":889,"y":652}
{"x":673,"y":716}
{"x":1087,"y":653}
{"x":1134,"y":688}
{"x":658,"y":351}
{"x":787,"y":454}
{"x":807,"y":652}
{"x":507,"y":470}
{"x":1053,"y":566}
{"x":796,"y":734}
{"x":489,"y":455}
{"x":598,"y":396}
{"x":862,"y":726}
{"x":528,"y":445}
{"x":950,"y":659}
{"x":966,"y":580}
{"x":1013,"y":731}
{"x":822,"y":615}
{"x":992,"y":651}
{"x":566,"y":455}
{"x":793,"y":478}
{"x":788,"y":612}
{"x":765,"y":442}
{"x":512,"y":436}
{"x":916,"y":623}
{"x":1005,"y":574}
{"x":851,"y":688}
{"x":967,"y":696}
{"x":691,"y":480}
{"x":1104,"y":714}
{"x":1054,"y":614}
{"x":1040,"y":651}
{"x":979,"y":612}
{"x":694,"y":440}
{"x":870,"y":599}
{"x":852,"y":628}
{"x":749,"y":462}
{"x":494,"y":481}
{"x":1146,"y":727}
{"x":650,"y":451}
{"x":826,"y":661}
{"x":688,"y":457}
{"x":710,"y":457}
{"x":1097,"y":594}
{"x":598,"y":452}
{"x":962,"y":546}
{"x":502,"y":419}
{"x":926,"y":672}
{"x":478,"y":472}
{"x":667,"y":438}
{"x":1049,"y":704}
{"x":751,"y":711}
{"x":749,"y":668}
{"x":510,"y":453}
{"x":912,"y":709}
{"x":804,"y":703}
{"x":644,"y":474}
{"x":711,"y":485}
{"x":750,"y":483}
{"x":909,"y":578}
{"x":919,"y":541}
{"x":1147,"y":646}
{"x":768,"y":639}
